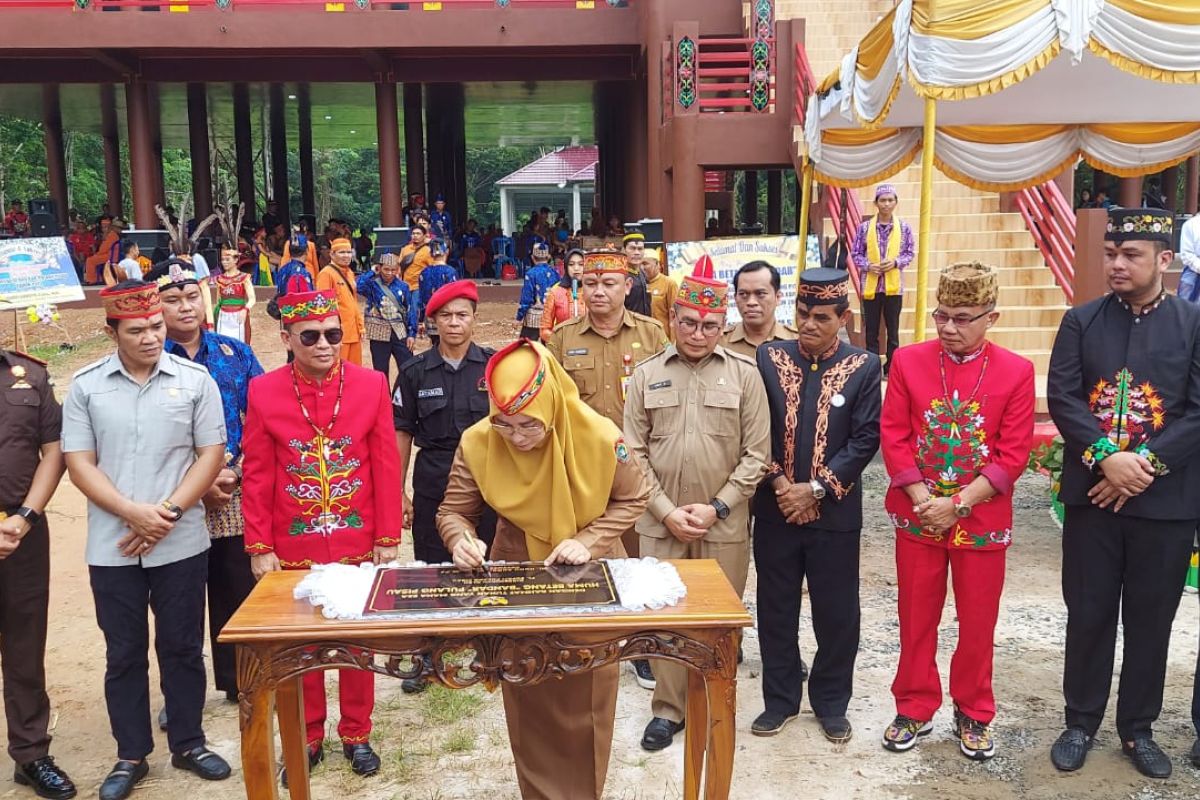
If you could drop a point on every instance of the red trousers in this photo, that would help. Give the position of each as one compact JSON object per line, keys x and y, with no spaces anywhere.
{"x":978,"y":578}
{"x":356,"y":694}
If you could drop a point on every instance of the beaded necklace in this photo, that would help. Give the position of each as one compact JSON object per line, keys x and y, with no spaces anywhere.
{"x":951,"y":403}
{"x":337,"y":406}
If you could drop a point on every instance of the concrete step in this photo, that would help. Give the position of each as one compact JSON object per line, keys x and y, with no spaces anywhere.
{"x":1044,"y":295}
{"x":1011,"y":316}
{"x":972,"y":223}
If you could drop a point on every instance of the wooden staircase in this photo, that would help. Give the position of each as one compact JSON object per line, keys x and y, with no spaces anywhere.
{"x":967,"y":224}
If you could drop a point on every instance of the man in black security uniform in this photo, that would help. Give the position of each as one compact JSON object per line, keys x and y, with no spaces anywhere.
{"x":438,"y":395}
{"x":30,"y":426}
{"x":825,"y":403}
{"x":1124,"y":390}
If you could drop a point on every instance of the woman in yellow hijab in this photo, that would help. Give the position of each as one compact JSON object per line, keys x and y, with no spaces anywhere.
{"x":564,"y":488}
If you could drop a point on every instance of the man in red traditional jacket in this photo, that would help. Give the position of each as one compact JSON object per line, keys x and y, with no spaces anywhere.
{"x":956,"y":432}
{"x":322,"y":485}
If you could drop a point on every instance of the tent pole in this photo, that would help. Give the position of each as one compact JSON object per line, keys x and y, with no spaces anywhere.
{"x":806,"y":186}
{"x":923,"y":238}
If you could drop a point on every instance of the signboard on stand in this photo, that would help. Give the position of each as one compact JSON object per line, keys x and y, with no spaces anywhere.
{"x":36,"y":272}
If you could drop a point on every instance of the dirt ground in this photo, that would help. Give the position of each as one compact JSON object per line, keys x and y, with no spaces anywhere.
{"x":443,"y":746}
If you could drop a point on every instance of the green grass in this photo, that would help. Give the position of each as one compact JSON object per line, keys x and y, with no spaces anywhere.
{"x":460,"y":740}
{"x":444,"y":705}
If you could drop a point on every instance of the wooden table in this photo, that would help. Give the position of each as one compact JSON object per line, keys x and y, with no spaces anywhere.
{"x":279,"y":638}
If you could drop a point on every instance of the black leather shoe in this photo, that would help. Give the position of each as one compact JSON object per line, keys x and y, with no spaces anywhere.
{"x":1070,"y":749}
{"x":769,"y":723}
{"x":231,"y":695}
{"x":803,"y":671}
{"x":660,"y":733}
{"x":316,"y":754}
{"x":162,"y":719}
{"x":122,"y":778}
{"x":413,"y":685}
{"x":836,"y":729}
{"x":1148,"y":757}
{"x":643,"y":674}
{"x":46,"y":778}
{"x":203,"y":762}
{"x":363,"y":760}
{"x":1196,"y":754}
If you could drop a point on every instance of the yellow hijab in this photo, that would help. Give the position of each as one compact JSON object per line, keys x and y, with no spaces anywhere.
{"x":555,"y":490}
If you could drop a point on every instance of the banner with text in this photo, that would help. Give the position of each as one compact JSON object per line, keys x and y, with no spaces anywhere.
{"x":35,"y":272}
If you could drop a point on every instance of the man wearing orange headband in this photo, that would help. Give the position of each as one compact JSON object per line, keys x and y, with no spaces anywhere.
{"x":339,"y":278}
{"x":565,"y":489}
{"x":697,"y":423}
{"x":144,"y":438}
{"x":322,"y":486}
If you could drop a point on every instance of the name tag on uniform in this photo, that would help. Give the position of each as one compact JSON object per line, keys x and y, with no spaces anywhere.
{"x":660,"y":385}
{"x":423,"y":393}
{"x":578,"y":351}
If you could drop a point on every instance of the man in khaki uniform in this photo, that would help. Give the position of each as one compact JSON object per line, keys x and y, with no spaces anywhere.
{"x":662,"y":289}
{"x":697,"y":422}
{"x":756,"y":288}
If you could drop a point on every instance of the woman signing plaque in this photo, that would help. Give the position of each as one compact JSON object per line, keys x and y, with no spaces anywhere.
{"x":565,"y":489}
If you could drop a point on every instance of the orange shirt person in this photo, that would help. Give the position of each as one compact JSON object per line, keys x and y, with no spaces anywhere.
{"x":339,"y":278}
{"x":94,"y":266}
{"x":415,"y":257}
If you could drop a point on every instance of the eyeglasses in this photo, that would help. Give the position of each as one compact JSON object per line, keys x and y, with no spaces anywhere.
{"x":525,"y":429}
{"x":689,"y":326}
{"x":959,"y":320}
{"x":310,"y":338}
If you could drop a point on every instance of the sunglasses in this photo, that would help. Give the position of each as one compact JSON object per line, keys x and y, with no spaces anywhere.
{"x":310,"y":338}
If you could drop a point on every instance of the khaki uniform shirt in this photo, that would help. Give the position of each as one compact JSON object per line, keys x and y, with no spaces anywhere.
{"x":735,"y":338}
{"x":663,"y":291}
{"x":29,"y":418}
{"x":699,"y":431}
{"x":598,"y":363}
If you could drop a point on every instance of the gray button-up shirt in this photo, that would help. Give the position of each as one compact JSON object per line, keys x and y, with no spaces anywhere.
{"x":145,"y":439}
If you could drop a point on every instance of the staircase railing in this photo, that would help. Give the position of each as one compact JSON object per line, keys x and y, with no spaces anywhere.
{"x":1051,"y":221}
{"x":832,"y":201}
{"x":805,"y":82}
{"x":735,"y":74}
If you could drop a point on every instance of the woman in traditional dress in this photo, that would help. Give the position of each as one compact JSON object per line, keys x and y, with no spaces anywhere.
{"x":565,"y":488}
{"x":562,"y":301}
{"x":235,"y":289}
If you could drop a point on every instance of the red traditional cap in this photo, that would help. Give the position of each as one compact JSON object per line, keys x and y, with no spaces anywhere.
{"x":600,"y":261}
{"x":340,"y":244}
{"x":452,"y":291}
{"x":137,"y":302}
{"x":701,"y":290}
{"x":304,"y":306}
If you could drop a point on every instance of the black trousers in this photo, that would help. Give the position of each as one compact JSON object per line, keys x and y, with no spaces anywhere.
{"x":1196,"y":698}
{"x":24,"y":599}
{"x":1136,"y":568}
{"x":382,"y":352}
{"x":785,"y":556}
{"x":175,"y":593}
{"x":430,"y":474}
{"x":230,"y":582}
{"x":889,"y":309}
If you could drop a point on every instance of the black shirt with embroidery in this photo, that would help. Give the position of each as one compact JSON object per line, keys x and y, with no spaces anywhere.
{"x":1125,"y":382}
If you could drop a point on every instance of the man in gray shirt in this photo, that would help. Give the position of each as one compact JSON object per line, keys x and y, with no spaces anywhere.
{"x":144,"y":438}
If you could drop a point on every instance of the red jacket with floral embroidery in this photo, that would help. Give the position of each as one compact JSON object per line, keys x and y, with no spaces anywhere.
{"x":980,"y":423}
{"x":312,"y":499}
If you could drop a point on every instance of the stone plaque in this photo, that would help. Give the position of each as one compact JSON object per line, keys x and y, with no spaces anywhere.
{"x":527,"y":585}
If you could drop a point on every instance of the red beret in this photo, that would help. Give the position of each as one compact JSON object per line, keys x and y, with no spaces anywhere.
{"x":452,"y":291}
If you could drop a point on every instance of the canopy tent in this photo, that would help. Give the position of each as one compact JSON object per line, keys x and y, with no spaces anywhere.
{"x":1005,"y":94}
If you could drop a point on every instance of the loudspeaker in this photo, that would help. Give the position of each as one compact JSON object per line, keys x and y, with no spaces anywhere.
{"x":652,"y":229}
{"x":42,"y":206}
{"x":43,"y":225}
{"x":389,"y":240}
{"x":154,"y":244}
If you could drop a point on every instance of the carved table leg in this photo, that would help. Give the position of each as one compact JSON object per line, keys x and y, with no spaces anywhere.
{"x":722,"y":706}
{"x":695,"y":734}
{"x":289,"y":704}
{"x":258,"y":741}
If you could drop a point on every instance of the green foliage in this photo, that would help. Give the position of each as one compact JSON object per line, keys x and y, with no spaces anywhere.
{"x":1047,"y":458}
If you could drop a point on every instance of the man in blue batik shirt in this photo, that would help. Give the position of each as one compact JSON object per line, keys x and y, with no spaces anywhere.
{"x":232,"y":365}
{"x":434,"y":277}
{"x":440,"y":220}
{"x":538,"y":280}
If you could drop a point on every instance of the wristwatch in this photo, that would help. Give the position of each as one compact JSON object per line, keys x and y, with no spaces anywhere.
{"x":818,"y":489}
{"x":31,"y":516}
{"x":961,"y":509}
{"x":721,"y":509}
{"x":174,"y":509}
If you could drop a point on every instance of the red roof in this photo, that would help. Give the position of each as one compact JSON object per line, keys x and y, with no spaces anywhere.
{"x":566,"y":165}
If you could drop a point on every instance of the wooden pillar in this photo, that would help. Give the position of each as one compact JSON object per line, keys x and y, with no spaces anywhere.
{"x":1090,"y":227}
{"x":774,"y":201}
{"x":156,"y":146}
{"x":244,"y":149}
{"x":750,"y":198}
{"x":414,"y":139}
{"x":1170,"y":187}
{"x":197,"y":104}
{"x":279,"y":151}
{"x":456,"y":197}
{"x":110,"y":138}
{"x":1191,"y":189}
{"x":308,"y":193}
{"x":446,"y":143}
{"x":686,"y":220}
{"x":634,"y":177}
{"x":1129,"y":193}
{"x":387,"y":130}
{"x":56,"y":159}
{"x":141,"y":155}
